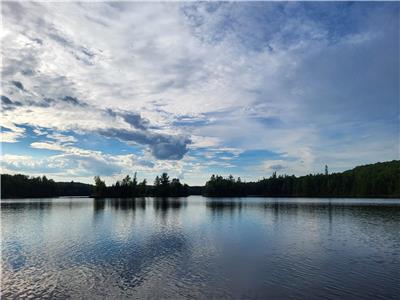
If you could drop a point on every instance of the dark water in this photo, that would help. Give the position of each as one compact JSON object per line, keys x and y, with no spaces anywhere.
{"x":201,"y":248}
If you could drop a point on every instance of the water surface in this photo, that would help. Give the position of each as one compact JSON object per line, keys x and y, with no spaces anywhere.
{"x":276,"y":248}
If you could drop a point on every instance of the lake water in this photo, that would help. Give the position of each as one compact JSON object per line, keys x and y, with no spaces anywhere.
{"x":275,"y":248}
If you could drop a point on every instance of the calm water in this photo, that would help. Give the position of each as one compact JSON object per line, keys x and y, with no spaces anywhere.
{"x":201,"y":248}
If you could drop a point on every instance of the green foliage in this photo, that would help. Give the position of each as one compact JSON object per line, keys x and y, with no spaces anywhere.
{"x":163,"y":187}
{"x":376,"y":180}
{"x":99,"y":186}
{"x":219,"y":186}
{"x":22,"y":186}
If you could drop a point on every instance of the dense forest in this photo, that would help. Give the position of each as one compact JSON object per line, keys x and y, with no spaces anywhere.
{"x":375,"y":180}
{"x":22,"y":186}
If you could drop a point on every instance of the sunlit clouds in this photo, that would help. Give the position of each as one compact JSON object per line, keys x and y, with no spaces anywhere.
{"x":197,"y":88}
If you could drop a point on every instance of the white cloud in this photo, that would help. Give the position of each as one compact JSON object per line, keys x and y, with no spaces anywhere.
{"x":179,"y":77}
{"x":10,"y":136}
{"x":62,"y":138}
{"x":12,"y":132}
{"x":48,"y":146}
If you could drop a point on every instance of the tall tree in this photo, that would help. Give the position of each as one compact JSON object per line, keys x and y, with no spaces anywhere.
{"x":99,"y":187}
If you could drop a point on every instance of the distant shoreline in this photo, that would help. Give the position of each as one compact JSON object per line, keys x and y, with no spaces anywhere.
{"x":379,"y":180}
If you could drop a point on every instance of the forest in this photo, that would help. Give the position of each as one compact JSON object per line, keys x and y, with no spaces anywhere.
{"x":22,"y":186}
{"x":374,"y":180}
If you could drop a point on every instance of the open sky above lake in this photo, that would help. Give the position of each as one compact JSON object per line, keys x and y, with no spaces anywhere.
{"x":198,"y":88}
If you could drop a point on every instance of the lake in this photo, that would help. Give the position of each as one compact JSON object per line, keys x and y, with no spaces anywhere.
{"x":196,"y":247}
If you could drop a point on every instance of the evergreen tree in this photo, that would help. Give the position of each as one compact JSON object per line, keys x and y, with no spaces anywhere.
{"x":99,"y":187}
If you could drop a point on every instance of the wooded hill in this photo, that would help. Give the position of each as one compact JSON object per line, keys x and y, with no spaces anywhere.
{"x":375,"y":180}
{"x":22,"y":186}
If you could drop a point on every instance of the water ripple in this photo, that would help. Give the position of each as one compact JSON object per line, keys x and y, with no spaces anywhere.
{"x":200,"y":248}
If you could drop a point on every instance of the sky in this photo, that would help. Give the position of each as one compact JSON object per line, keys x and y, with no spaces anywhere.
{"x":194,"y":89}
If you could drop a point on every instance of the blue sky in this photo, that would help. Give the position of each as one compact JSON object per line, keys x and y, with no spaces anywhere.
{"x":194,"y":89}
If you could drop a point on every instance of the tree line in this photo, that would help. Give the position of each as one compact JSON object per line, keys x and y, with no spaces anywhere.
{"x":374,"y":180}
{"x":129,"y":187}
{"x":22,"y":186}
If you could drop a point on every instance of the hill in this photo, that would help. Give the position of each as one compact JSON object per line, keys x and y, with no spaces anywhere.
{"x":374,"y":180}
{"x":22,"y":186}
